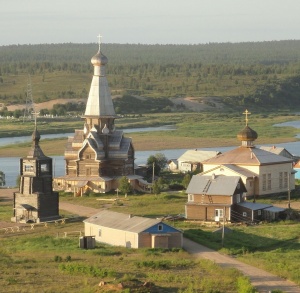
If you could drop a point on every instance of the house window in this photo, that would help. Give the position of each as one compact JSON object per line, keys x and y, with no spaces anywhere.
{"x":160,"y":227}
{"x":269,"y":181}
{"x":99,"y":232}
{"x":219,"y":213}
{"x":191,"y":197}
{"x":264,"y":182}
{"x":244,"y":214}
{"x":280,"y":180}
{"x":285,"y":179}
{"x":259,"y":212}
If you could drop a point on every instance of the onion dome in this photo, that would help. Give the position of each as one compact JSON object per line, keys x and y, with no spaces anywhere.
{"x":99,"y":59}
{"x":247,"y":134}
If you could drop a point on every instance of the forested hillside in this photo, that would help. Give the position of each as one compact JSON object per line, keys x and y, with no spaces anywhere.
{"x":264,"y":73}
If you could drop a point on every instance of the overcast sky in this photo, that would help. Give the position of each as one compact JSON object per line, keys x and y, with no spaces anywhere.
{"x":148,"y":21}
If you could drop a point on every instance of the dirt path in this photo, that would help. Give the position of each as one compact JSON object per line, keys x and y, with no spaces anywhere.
{"x":263,"y":281}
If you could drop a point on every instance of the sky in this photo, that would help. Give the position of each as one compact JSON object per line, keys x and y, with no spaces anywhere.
{"x":148,"y":21}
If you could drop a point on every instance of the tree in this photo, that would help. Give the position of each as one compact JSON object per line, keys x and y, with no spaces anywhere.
{"x":2,"y":178}
{"x":156,"y":189}
{"x":124,"y":185}
{"x":161,"y":160}
{"x":186,"y":180}
{"x":153,"y":164}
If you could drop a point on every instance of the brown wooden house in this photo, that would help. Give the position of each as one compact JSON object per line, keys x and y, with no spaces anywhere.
{"x":212,"y":198}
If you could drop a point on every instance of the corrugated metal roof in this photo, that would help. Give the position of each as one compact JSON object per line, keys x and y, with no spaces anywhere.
{"x":197,"y":156}
{"x":247,"y":156}
{"x":275,"y":209}
{"x":213,"y":185}
{"x":254,"y":206}
{"x":120,"y":221}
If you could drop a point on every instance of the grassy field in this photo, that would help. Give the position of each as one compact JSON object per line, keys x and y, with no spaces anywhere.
{"x":29,"y":259}
{"x":193,"y":130}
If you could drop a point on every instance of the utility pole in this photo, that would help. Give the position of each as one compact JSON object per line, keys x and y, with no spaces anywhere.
{"x":289,"y":192}
{"x":153,"y":164}
{"x":223,"y":229}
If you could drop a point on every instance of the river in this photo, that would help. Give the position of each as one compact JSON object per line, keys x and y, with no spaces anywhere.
{"x":10,"y":166}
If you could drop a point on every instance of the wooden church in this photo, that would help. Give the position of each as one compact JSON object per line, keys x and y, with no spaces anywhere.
{"x":36,"y":201}
{"x":97,"y":155}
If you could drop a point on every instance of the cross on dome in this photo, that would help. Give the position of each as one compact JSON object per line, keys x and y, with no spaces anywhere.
{"x":246,"y":118}
{"x":99,"y":40}
{"x":35,"y":114}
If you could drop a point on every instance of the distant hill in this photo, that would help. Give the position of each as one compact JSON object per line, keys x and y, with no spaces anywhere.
{"x":241,"y":74}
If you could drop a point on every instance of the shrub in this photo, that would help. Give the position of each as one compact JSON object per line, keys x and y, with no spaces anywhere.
{"x":244,"y":285}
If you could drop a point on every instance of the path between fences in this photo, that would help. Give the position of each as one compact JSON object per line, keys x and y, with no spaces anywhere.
{"x":261,"y":280}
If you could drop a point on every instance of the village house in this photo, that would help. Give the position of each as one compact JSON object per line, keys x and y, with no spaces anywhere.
{"x":280,"y":151}
{"x":98,"y":155}
{"x":35,"y":201}
{"x":220,"y":198}
{"x":263,"y":172}
{"x":211,"y":198}
{"x":192,"y":160}
{"x":131,"y":231}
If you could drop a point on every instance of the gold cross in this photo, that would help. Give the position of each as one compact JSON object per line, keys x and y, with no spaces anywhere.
{"x":246,"y":113}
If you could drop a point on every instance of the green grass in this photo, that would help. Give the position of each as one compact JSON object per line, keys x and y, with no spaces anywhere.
{"x":43,"y":261}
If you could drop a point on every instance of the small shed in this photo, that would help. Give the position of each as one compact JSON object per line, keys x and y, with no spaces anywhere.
{"x":250,"y":211}
{"x":132,"y":231}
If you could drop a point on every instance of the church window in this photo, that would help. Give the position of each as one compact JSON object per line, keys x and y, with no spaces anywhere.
{"x":285,"y":179}
{"x":269,"y":181}
{"x":28,"y":168}
{"x":44,"y":167}
{"x":88,"y":171}
{"x":280,"y":180}
{"x":88,"y":156}
{"x":264,"y":182}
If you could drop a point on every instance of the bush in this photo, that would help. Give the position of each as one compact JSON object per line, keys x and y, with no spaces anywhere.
{"x":244,"y":285}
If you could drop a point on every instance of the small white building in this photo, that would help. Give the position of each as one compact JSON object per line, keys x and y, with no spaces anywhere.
{"x":131,"y":231}
{"x":192,"y":160}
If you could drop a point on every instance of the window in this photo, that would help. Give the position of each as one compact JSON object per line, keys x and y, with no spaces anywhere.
{"x":285,"y":179}
{"x":280,"y":180}
{"x":244,"y":214}
{"x":160,"y":227}
{"x":259,"y":212}
{"x":191,"y":197}
{"x":264,"y":182}
{"x":99,"y":232}
{"x":219,"y":213}
{"x":28,"y":168}
{"x":44,"y":168}
{"x":269,"y":181}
